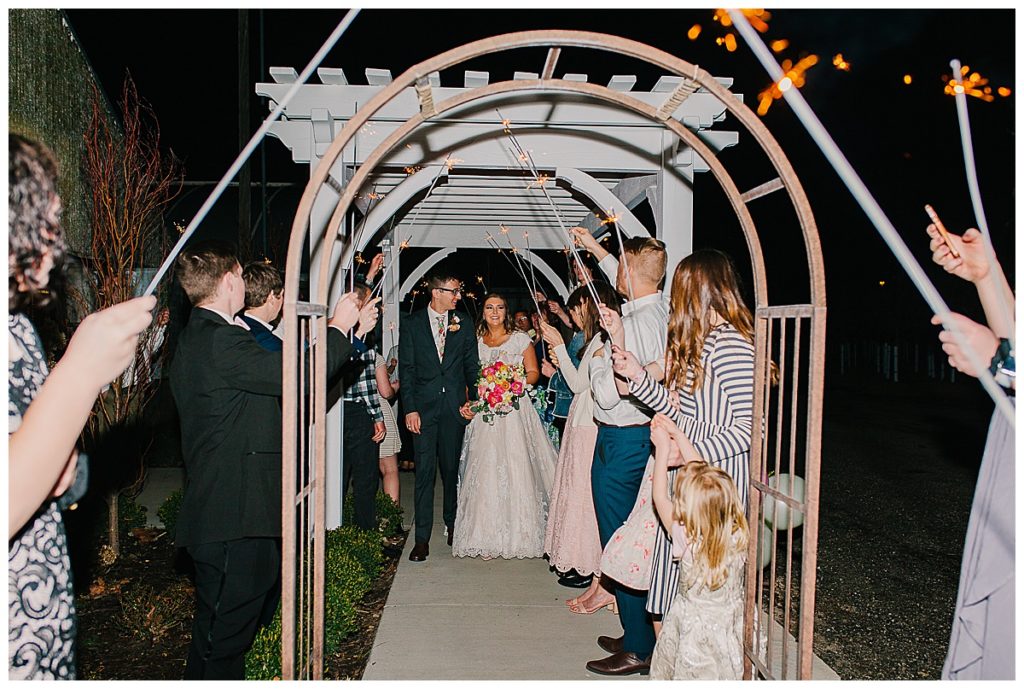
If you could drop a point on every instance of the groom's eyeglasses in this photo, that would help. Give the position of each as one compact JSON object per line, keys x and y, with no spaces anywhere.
{"x":455,"y":290}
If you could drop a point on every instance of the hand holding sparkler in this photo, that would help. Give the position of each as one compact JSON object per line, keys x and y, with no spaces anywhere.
{"x":626,"y":364}
{"x":612,"y":324}
{"x":368,"y":316}
{"x":376,"y":263}
{"x":979,"y":338}
{"x":551,"y":336}
{"x":346,"y":312}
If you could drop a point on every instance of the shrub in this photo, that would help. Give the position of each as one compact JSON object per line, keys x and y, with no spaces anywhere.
{"x":389,"y":513}
{"x":130,"y":515}
{"x":169,"y":510}
{"x":353,"y":562}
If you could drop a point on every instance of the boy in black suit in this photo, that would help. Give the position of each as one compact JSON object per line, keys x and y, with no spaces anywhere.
{"x":264,"y":297}
{"x":227,"y":391}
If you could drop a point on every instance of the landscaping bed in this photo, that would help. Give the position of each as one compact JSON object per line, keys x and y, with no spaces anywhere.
{"x":135,"y":615}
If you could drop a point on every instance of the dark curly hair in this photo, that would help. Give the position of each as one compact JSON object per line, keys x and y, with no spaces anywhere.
{"x":34,"y":221}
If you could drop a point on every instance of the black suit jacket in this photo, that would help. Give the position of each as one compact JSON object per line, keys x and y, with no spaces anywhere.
{"x":428,"y":383}
{"x":227,"y":389}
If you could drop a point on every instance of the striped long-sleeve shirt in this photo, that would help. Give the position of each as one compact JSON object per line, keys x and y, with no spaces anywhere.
{"x":718,"y":417}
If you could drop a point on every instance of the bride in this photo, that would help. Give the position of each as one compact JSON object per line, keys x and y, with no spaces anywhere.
{"x":507,"y":465}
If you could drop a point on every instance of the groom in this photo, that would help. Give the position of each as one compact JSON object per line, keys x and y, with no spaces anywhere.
{"x":439,"y":362}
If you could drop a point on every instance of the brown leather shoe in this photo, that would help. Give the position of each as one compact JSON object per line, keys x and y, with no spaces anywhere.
{"x":611,"y":643}
{"x":419,"y":552}
{"x":621,"y":663}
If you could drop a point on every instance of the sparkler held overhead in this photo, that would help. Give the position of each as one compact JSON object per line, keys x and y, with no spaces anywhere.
{"x":243,"y":156}
{"x":525,"y":157}
{"x":878,"y":218}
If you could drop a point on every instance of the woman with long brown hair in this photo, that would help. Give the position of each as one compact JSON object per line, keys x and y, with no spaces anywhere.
{"x":572,"y":541}
{"x":709,"y":383}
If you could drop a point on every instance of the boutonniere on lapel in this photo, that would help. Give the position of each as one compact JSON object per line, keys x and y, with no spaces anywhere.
{"x":454,"y":326}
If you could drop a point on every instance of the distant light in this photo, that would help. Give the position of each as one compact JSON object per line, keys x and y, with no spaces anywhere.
{"x":693,"y":32}
{"x":1004,"y":92}
{"x":907,"y":79}
{"x":881,"y":283}
{"x":840,"y":62}
{"x":779,"y":45}
{"x":785,"y":84}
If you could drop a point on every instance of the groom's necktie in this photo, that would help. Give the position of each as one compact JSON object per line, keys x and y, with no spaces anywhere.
{"x":440,"y":336}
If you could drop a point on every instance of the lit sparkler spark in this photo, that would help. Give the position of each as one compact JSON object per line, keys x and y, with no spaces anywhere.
{"x":504,"y":230}
{"x":266,"y":260}
{"x":841,"y":63}
{"x":360,"y":259}
{"x":794,"y":77}
{"x":693,"y":32}
{"x":610,"y":217}
{"x":539,"y":182}
{"x":450,"y":162}
{"x":391,"y":326}
{"x":758,"y":18}
{"x":779,"y":45}
{"x":907,"y":79}
{"x":506,"y":125}
{"x":374,"y":196}
{"x":412,"y":169}
{"x":404,"y":244}
{"x":728,"y":40}
{"x":972,"y":84}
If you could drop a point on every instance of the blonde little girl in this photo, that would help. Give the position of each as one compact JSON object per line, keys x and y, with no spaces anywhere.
{"x":701,"y":635}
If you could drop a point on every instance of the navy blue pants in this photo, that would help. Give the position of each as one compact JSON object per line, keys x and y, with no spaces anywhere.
{"x":620,"y":458}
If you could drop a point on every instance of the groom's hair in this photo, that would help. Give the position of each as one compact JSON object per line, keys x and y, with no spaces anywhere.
{"x":439,"y":278}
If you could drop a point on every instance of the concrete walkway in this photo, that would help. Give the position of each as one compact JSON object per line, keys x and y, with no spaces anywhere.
{"x":469,"y":619}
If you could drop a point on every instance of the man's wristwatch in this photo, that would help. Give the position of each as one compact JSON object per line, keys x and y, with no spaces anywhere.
{"x":1004,"y":368}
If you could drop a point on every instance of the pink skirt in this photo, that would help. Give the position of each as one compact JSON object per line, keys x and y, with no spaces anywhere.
{"x":571,"y":539}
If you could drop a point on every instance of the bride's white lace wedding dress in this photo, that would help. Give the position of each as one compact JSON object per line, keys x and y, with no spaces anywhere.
{"x":505,"y":474}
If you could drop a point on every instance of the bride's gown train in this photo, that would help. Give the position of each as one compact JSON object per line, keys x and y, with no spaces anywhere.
{"x":505,"y":474}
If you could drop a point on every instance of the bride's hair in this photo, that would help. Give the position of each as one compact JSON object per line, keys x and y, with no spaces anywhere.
{"x":481,"y":324}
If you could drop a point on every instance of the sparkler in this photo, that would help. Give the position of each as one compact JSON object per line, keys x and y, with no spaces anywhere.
{"x":878,"y":218}
{"x":533,"y":279}
{"x":793,"y":75}
{"x":243,"y":156}
{"x":404,"y":244}
{"x":525,"y":157}
{"x":975,"y":191}
{"x":518,"y":265}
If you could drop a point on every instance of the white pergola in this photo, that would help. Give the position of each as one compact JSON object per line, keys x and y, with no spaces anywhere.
{"x":599,"y":160}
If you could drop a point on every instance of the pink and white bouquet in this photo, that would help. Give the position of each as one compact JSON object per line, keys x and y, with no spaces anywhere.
{"x":499,"y":388}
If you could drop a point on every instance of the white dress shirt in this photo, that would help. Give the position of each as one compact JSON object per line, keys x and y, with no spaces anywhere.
{"x":645,"y":322}
{"x":268,"y":326}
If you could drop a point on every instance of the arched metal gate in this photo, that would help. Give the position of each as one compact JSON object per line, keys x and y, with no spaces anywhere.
{"x":779,"y":617}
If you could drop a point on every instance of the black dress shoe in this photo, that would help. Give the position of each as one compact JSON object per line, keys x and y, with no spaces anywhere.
{"x":576,"y":582}
{"x":610,"y":643}
{"x":450,"y":532}
{"x":419,"y":552}
{"x":621,"y":663}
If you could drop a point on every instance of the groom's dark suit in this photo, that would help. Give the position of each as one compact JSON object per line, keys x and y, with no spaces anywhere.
{"x":436,"y":388}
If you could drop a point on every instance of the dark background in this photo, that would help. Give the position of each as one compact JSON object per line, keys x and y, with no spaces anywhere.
{"x":903,"y":140}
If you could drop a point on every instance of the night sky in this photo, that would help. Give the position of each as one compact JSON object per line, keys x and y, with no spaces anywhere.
{"x":902,"y":139}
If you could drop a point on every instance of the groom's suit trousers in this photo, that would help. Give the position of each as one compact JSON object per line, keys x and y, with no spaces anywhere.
{"x":438,"y":446}
{"x":620,"y":458}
